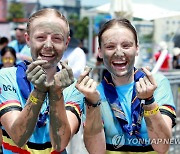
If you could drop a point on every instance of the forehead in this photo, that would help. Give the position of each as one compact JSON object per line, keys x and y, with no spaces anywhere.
{"x":117,"y":30}
{"x":21,"y":26}
{"x":8,"y":53}
{"x":51,"y":23}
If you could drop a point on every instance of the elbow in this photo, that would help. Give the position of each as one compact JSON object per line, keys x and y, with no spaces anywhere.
{"x":91,"y":132}
{"x":60,"y":144}
{"x":18,"y":138}
{"x":19,"y":143}
{"x":64,"y":144}
{"x":161,"y":149}
{"x":95,"y":144}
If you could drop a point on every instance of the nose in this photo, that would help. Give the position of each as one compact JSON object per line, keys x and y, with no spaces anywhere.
{"x":48,"y":44}
{"x":119,"y":51}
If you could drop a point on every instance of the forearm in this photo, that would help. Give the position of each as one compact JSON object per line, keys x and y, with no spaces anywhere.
{"x":59,"y":127}
{"x":94,"y":137}
{"x":158,"y":129}
{"x":24,"y":125}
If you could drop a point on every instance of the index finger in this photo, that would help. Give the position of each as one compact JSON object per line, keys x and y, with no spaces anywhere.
{"x":36,"y":63}
{"x":84,"y":74}
{"x":149,"y":75}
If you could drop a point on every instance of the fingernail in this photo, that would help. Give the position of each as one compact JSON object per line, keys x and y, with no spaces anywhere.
{"x":88,"y":69}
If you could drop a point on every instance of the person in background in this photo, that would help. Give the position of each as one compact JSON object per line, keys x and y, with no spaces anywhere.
{"x":75,"y":56}
{"x":176,"y":58}
{"x":130,"y":107}
{"x":3,"y":42}
{"x":81,"y":45}
{"x":19,"y":44}
{"x":166,"y":65}
{"x":8,"y":57}
{"x":33,"y":95}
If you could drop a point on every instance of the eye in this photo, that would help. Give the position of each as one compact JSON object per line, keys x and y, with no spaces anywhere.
{"x":126,"y":45}
{"x":110,"y":47}
{"x":40,"y":38}
{"x":57,"y":39}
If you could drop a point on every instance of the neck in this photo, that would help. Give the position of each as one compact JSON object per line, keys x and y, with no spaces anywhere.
{"x":122,"y":80}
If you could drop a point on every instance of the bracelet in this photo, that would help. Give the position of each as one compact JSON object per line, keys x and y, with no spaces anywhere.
{"x":91,"y":104}
{"x":151,"y":112}
{"x":149,"y":100}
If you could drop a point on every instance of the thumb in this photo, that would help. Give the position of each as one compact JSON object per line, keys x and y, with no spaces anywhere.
{"x":84,"y":74}
{"x":87,"y":70}
{"x":64,"y":64}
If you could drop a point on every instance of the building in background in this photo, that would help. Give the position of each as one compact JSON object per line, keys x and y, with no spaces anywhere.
{"x":3,"y":10}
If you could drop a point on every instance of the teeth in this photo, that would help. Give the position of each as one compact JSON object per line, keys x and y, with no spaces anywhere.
{"x":119,"y":62}
{"x":49,"y":54}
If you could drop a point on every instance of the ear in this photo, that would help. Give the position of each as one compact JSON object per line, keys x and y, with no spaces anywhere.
{"x":67,"y":41}
{"x":27,"y":37}
{"x":100,"y":52}
{"x":137,"y":50}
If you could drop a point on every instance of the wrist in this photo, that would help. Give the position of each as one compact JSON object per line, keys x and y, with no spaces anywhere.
{"x":149,"y":100}
{"x":55,"y":95}
{"x":90,"y":104}
{"x":154,"y":111}
{"x":40,"y":90}
{"x":34,"y":99}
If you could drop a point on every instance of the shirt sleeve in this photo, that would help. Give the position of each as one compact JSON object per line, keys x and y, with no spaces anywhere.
{"x":163,"y":96}
{"x":9,"y":99}
{"x":74,"y":101}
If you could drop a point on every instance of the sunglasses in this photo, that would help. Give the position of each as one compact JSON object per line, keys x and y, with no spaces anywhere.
{"x":21,"y":29}
{"x":6,"y":60}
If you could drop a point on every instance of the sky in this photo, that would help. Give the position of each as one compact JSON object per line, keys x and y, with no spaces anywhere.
{"x":168,"y":4}
{"x":94,"y":2}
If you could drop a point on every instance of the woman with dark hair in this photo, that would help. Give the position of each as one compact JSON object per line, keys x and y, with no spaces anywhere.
{"x":131,"y":107}
{"x":8,"y":57}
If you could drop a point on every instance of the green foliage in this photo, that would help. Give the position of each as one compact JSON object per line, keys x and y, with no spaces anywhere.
{"x":148,"y":38}
{"x":79,"y":26}
{"x":16,"y":11}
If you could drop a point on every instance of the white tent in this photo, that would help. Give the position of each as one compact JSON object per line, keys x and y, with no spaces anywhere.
{"x":121,"y":8}
{"x":142,"y":11}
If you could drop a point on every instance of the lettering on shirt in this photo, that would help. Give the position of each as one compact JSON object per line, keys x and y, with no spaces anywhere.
{"x":9,"y":88}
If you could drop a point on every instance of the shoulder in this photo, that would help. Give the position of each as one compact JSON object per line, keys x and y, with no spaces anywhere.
{"x":71,"y":91}
{"x":9,"y":72}
{"x":25,"y":49}
{"x":13,"y":43}
{"x":78,"y":52}
{"x":159,"y":77}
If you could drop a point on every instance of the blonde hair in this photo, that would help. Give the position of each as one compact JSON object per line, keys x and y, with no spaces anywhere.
{"x":43,"y":12}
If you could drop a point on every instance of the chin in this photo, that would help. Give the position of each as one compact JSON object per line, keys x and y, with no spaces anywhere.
{"x":121,"y":74}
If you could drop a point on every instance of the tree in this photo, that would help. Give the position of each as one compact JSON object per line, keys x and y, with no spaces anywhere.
{"x":79,"y":26}
{"x":16,"y":11}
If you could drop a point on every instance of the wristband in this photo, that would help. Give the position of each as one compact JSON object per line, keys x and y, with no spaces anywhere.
{"x":91,"y":104}
{"x":33,"y":99}
{"x":151,"y":112}
{"x":149,"y":100}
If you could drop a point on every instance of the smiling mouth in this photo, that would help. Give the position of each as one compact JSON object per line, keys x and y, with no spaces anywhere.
{"x":47,"y":56}
{"x":119,"y":64}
